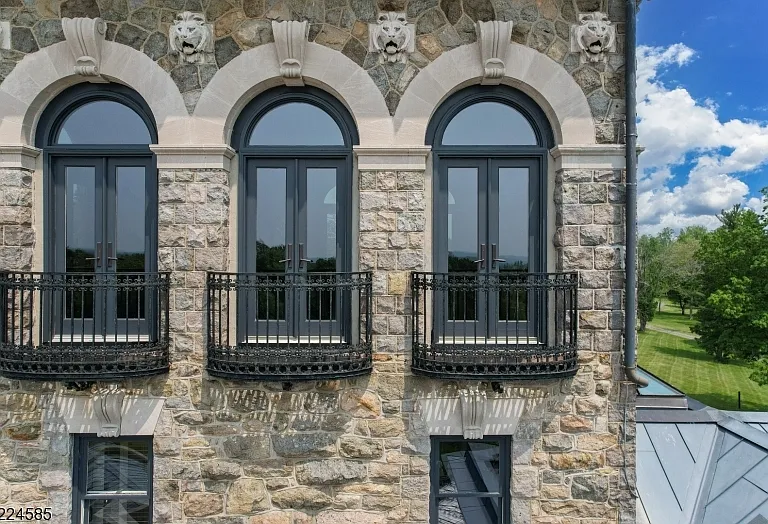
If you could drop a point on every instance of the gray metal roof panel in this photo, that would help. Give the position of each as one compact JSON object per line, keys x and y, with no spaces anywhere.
{"x":733,"y":465}
{"x":735,"y":503}
{"x":674,"y":456}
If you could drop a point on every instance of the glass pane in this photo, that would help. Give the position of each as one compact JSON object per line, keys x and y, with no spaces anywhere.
{"x":321,"y":239}
{"x":104,"y":122}
{"x":116,"y":512}
{"x":514,"y":205}
{"x":130,"y":219}
{"x":270,"y":239}
{"x":118,"y":466}
{"x":469,"y":467}
{"x":80,"y":236}
{"x":468,"y":510}
{"x":296,"y":124}
{"x":462,"y":239}
{"x":489,"y":124}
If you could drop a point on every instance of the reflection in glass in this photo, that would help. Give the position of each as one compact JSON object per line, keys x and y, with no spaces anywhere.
{"x":321,"y":239}
{"x":118,"y":466}
{"x":80,"y":236}
{"x":467,"y":510}
{"x":469,"y":466}
{"x":513,"y":241}
{"x":462,"y":238}
{"x":270,"y":239}
{"x":130,"y":216}
{"x":279,"y":127}
{"x":116,"y":512}
{"x":490,"y":124}
{"x":104,"y":122}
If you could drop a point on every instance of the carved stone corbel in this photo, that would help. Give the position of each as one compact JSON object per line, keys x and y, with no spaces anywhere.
{"x":290,"y":42}
{"x":85,"y":37}
{"x":472,"y":412}
{"x":5,"y":34}
{"x":494,"y":38}
{"x":593,"y":37}
{"x":108,"y":408}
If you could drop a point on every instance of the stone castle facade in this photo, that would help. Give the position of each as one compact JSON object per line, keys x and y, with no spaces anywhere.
{"x":345,"y":450}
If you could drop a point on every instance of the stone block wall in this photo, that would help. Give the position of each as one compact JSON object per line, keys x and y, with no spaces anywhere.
{"x":18,"y":240}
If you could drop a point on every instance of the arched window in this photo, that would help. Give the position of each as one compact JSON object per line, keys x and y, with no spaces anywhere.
{"x":295,"y":289}
{"x":100,"y":208}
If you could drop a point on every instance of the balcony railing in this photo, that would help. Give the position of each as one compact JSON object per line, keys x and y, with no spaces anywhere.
{"x":494,"y":326}
{"x":83,"y":326}
{"x":289,"y":327}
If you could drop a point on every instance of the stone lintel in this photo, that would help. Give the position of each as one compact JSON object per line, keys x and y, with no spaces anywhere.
{"x":443,"y":416}
{"x":138,"y":415}
{"x":601,"y":156}
{"x":18,"y":156}
{"x":392,"y":158}
{"x":203,"y":156}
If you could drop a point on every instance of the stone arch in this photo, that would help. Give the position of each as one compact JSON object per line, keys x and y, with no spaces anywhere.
{"x":256,"y":70}
{"x":42,"y":75}
{"x":531,"y":72}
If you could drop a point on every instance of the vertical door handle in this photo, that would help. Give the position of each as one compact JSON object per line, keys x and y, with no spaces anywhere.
{"x":97,"y":258}
{"x":493,"y":256}
{"x":288,"y":250}
{"x":481,"y":260}
{"x":110,"y":254}
{"x":302,"y":260}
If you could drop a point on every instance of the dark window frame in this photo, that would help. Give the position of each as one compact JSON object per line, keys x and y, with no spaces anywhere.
{"x":505,"y":474}
{"x":244,"y":125}
{"x":48,"y":128}
{"x":80,"y":471}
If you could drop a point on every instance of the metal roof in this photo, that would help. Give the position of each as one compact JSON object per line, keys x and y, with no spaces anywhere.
{"x":702,"y":467}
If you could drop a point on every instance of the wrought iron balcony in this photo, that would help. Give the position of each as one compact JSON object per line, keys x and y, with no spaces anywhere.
{"x":83,"y":326}
{"x":289,"y":326}
{"x":501,"y":326}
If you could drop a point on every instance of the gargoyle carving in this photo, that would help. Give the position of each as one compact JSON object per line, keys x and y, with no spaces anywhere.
{"x":494,"y":38}
{"x":290,"y":41}
{"x":85,"y":37}
{"x":191,"y":38}
{"x":108,"y":408}
{"x":472,"y":412}
{"x":593,"y":37}
{"x":5,"y":34}
{"x":392,"y":37}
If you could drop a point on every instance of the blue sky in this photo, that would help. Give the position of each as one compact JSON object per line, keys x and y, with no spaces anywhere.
{"x":703,"y":109}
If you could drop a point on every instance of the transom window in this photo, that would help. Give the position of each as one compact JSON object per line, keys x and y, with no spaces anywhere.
{"x":112,"y":480}
{"x":103,"y":122}
{"x":470,"y":481}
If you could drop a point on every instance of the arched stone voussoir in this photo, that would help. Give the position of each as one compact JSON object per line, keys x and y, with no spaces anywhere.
{"x":257,"y":70}
{"x":42,"y":75}
{"x":533,"y":73}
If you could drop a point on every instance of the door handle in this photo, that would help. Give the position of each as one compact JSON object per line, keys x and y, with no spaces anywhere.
{"x":301,"y":255}
{"x":493,"y":256}
{"x":481,"y":260}
{"x":110,"y":254}
{"x":97,"y":258}
{"x":288,"y":250}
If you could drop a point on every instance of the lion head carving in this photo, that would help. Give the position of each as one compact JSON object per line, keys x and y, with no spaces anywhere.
{"x":191,"y":38}
{"x":392,"y":37}
{"x":593,"y":37}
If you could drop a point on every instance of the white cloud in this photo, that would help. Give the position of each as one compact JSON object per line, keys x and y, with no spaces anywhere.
{"x":675,"y":130}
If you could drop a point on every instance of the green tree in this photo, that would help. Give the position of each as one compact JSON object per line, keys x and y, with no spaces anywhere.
{"x":649,"y":270}
{"x":681,"y":271}
{"x":733,"y":317}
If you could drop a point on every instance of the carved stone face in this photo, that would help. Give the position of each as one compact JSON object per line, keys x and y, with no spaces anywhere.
{"x":595,"y":35}
{"x":190,"y":34}
{"x":392,"y":36}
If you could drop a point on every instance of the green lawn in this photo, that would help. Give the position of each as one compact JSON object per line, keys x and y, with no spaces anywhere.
{"x":687,"y":367}
{"x":672,"y":319}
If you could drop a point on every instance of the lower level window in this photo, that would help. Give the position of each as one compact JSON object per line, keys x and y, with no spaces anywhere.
{"x":470,"y":481}
{"x":112,"y":480}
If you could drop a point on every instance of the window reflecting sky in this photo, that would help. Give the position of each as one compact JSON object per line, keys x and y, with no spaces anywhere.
{"x":490,"y":124}
{"x":296,"y":124}
{"x":104,"y":122}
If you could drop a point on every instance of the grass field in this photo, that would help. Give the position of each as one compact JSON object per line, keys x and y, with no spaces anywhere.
{"x":687,"y":367}
{"x":670,"y":318}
